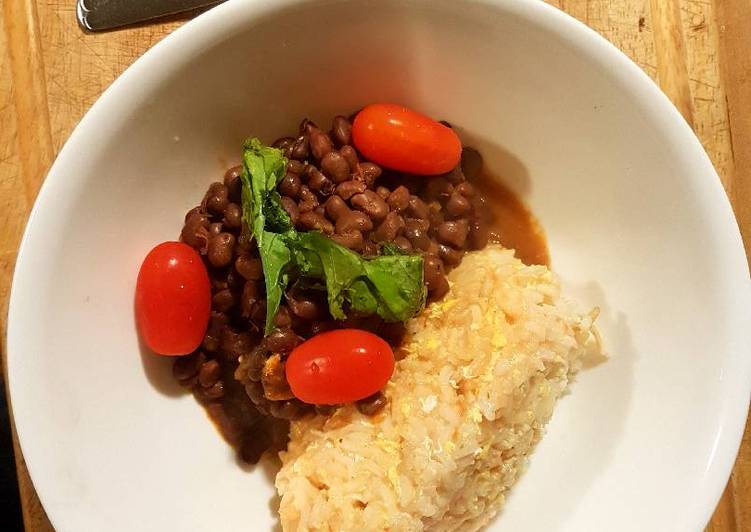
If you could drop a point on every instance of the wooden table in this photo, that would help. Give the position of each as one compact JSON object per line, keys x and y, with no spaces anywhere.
{"x":699,"y":51}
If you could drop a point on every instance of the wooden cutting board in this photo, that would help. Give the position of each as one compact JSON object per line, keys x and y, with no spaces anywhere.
{"x":50,"y":73}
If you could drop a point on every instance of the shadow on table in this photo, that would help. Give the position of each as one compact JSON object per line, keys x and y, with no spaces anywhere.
{"x":10,"y":502}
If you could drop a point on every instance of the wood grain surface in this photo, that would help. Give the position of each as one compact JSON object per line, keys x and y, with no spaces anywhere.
{"x":699,"y":51}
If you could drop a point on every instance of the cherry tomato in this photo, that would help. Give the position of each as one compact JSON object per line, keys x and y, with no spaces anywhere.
{"x":173,"y":299}
{"x":405,"y":140}
{"x":339,"y":366}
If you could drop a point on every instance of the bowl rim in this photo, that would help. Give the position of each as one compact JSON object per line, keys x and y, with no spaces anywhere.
{"x":207,"y":29}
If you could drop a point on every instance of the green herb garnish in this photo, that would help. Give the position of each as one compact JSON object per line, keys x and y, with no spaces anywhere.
{"x":390,"y":285}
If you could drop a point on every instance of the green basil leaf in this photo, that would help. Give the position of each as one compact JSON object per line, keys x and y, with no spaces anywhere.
{"x":390,"y":285}
{"x":263,"y":168}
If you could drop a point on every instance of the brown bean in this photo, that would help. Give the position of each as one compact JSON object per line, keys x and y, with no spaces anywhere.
{"x":435,"y":277}
{"x":233,"y":216}
{"x":235,"y":281}
{"x":458,"y":205}
{"x":217,"y":322}
{"x":403,"y":243}
{"x":218,"y":282}
{"x":341,"y":130}
{"x":209,"y":373}
{"x":417,"y":208}
{"x":195,"y":211}
{"x":320,"y":143}
{"x":232,"y":175}
{"x":416,"y":234}
{"x":312,"y":221}
{"x":282,"y":318}
{"x":290,"y":409}
{"x":353,"y":221}
{"x":471,"y":163}
{"x":252,"y":365}
{"x":336,"y":207}
{"x":210,"y":344}
{"x":438,"y":188}
{"x":370,"y":203}
{"x":372,"y":405}
{"x":283,"y":143}
{"x":233,"y":182}
{"x":290,"y":185}
{"x":465,"y":189}
{"x":350,"y":155}
{"x":307,"y":205}
{"x":390,"y":228}
{"x":234,"y":344}
{"x":216,"y":198}
{"x":398,"y":200}
{"x":300,"y":149}
{"x":305,"y":307}
{"x":417,"y":223}
{"x":351,"y":239}
{"x":220,"y":249}
{"x":214,"y":392}
{"x":222,"y":300}
{"x":454,"y":233}
{"x":245,"y":240}
{"x":292,"y":209}
{"x":320,"y":183}
{"x":308,"y":196}
{"x":384,"y":192}
{"x":304,"y":124}
{"x":255,"y":391}
{"x":215,"y":228}
{"x":258,"y":313}
{"x":432,"y":247}
{"x":432,"y":269}
{"x":281,"y":340}
{"x":195,"y":232}
{"x":439,"y":289}
{"x":449,"y":255}
{"x":349,"y":188}
{"x":479,"y":234}
{"x":370,"y":172}
{"x":187,"y":367}
{"x":250,"y":268}
{"x":455,"y":176}
{"x":335,"y":166}
{"x":319,"y":326}
{"x":250,"y":296}
{"x":295,"y":167}
{"x":392,"y":332}
{"x":435,"y":216}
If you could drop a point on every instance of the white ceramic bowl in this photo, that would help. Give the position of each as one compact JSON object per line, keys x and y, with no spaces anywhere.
{"x":636,"y":217}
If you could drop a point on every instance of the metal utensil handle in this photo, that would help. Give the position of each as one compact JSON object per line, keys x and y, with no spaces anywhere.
{"x":97,"y":15}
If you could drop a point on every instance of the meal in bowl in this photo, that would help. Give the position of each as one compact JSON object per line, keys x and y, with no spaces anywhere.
{"x":353,"y":301}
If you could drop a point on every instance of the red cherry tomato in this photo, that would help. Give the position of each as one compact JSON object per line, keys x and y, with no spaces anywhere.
{"x":405,"y":140}
{"x":173,"y":299}
{"x":339,"y":366}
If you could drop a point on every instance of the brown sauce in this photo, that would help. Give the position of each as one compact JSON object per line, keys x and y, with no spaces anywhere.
{"x":243,"y":427}
{"x":511,"y":222}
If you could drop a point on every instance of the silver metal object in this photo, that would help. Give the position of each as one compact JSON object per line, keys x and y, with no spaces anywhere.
{"x":97,"y":15}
